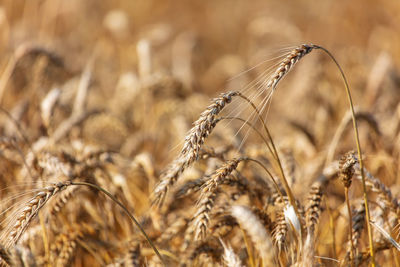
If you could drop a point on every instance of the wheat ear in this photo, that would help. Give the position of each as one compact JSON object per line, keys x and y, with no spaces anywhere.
{"x":249,"y":222}
{"x":30,"y":211}
{"x":288,"y":63}
{"x":191,"y":148}
{"x":209,"y":194}
{"x":359,"y":152}
{"x":285,"y":66}
{"x":377,"y":186}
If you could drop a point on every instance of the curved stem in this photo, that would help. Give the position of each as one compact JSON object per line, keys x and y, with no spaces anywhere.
{"x":274,"y":153}
{"x":251,"y":126}
{"x":269,"y":174}
{"x":271,"y":150}
{"x":364,"y":187}
{"x":108,"y":194}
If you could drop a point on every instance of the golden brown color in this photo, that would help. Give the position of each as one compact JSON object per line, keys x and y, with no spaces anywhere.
{"x":163,"y":102}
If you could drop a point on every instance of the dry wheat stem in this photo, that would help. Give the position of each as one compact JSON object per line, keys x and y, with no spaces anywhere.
{"x":346,"y":193}
{"x":360,"y":115}
{"x":29,"y":212}
{"x":251,"y":126}
{"x":274,"y":151}
{"x":346,"y":172}
{"x":108,"y":194}
{"x":357,"y":138}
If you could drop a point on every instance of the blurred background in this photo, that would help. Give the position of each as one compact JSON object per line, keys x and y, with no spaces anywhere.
{"x":165,"y":60}
{"x":131,"y":76}
{"x":183,"y":53}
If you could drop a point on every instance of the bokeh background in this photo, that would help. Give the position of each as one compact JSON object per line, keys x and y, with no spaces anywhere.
{"x":130,"y":76}
{"x":202,"y":44}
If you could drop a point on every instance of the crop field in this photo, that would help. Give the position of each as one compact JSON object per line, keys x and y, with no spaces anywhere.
{"x":199,"y":133}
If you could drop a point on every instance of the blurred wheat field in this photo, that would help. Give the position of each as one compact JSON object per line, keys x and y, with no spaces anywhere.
{"x":222,"y":127}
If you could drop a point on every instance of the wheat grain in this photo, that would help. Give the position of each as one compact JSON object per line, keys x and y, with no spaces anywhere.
{"x":32,"y":208}
{"x":288,"y":63}
{"x":202,"y":216}
{"x":191,"y":147}
{"x":249,"y":222}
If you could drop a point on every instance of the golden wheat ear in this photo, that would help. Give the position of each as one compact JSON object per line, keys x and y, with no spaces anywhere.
{"x":191,"y":148}
{"x":288,"y":63}
{"x":284,"y":67}
{"x":28,"y":212}
{"x":256,"y":230}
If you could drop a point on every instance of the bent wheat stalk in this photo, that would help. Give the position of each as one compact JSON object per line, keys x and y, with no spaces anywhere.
{"x":357,"y":138}
{"x":108,"y":194}
{"x":285,"y":66}
{"x":31,"y":210}
{"x":346,"y":173}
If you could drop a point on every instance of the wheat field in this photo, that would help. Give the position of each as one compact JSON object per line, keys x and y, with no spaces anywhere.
{"x":199,"y":133}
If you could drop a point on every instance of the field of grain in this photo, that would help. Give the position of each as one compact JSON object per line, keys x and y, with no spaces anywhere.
{"x":199,"y":133}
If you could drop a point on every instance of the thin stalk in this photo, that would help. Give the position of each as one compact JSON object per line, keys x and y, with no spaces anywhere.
{"x":274,"y":153}
{"x":272,"y":150}
{"x":251,"y":126}
{"x":346,"y":193}
{"x":269,"y":174}
{"x":127,"y":212}
{"x":364,"y":187}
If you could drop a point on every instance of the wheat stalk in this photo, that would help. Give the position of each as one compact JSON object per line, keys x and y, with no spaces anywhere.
{"x":346,"y":172}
